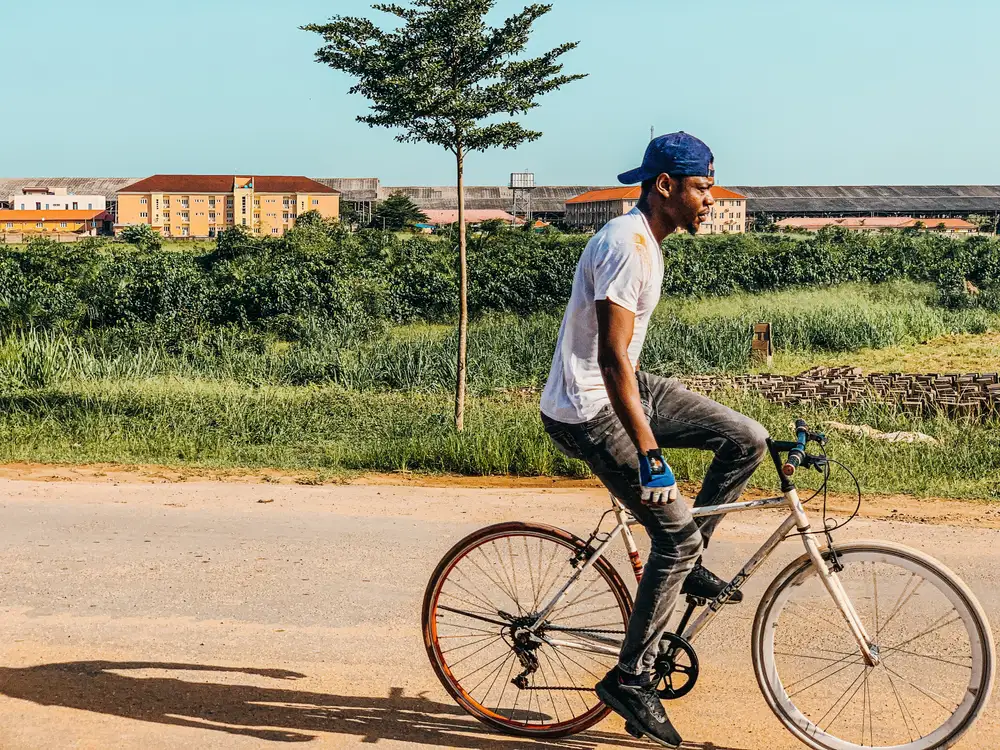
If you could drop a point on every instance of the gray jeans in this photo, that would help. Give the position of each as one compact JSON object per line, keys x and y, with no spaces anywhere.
{"x":679,"y":418}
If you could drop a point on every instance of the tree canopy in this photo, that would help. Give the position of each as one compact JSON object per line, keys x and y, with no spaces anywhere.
{"x":397,"y":212}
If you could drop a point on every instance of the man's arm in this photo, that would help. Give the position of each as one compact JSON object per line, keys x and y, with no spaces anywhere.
{"x":614,"y":333}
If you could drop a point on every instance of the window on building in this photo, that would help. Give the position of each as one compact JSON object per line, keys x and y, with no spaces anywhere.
{"x":211,"y":202}
{"x":244,"y":222}
{"x":274,"y":230}
{"x":166,"y":229}
{"x":38,"y":206}
{"x":90,"y":206}
{"x":185,"y":231}
{"x":62,"y":224}
{"x":256,"y":201}
{"x":143,"y":201}
{"x":166,"y":203}
{"x":143,"y":214}
{"x":315,"y":202}
{"x":184,"y":203}
{"x":229,"y":216}
{"x":46,"y":206}
{"x":75,"y":205}
{"x":166,"y":216}
{"x":39,"y":225}
{"x":285,"y":216}
{"x":211,"y":215}
{"x":10,"y":224}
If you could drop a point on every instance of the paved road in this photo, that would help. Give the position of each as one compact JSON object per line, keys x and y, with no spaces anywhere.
{"x":214,"y":615}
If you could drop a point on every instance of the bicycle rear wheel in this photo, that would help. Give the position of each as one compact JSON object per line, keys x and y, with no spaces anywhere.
{"x":496,"y":581}
{"x":936,"y":649}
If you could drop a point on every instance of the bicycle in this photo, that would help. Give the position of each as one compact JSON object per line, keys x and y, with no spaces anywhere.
{"x":835,"y":664}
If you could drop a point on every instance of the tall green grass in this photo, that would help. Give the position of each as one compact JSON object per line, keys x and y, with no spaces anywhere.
{"x":198,"y":423}
{"x":505,"y":351}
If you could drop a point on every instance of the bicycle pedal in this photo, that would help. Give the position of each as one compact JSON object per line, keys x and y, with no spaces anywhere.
{"x":633,"y":730}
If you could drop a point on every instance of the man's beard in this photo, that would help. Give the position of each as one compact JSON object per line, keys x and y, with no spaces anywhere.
{"x":692,"y":228}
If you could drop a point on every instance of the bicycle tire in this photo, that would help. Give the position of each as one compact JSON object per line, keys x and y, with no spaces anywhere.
{"x":948,"y":586}
{"x":429,"y":621}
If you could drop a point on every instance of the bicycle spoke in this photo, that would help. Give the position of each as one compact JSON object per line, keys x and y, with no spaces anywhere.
{"x":473,"y":615}
{"x":484,"y":666}
{"x":933,"y":658}
{"x":473,"y":632}
{"x":928,"y":693}
{"x":902,"y":711}
{"x":559,"y":610}
{"x":552,"y":699}
{"x":513,"y":572}
{"x":495,"y":674}
{"x":555,"y":674}
{"x":490,"y":606}
{"x":927,"y":632}
{"x":467,"y":645}
{"x":857,"y":680}
{"x":906,"y":601}
{"x":492,"y":580}
{"x":531,"y":573}
{"x":467,"y":657}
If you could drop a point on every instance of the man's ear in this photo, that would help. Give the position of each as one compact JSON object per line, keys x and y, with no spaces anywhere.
{"x":665,"y":184}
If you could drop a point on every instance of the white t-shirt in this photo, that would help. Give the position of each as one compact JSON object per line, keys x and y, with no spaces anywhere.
{"x":622,"y":263}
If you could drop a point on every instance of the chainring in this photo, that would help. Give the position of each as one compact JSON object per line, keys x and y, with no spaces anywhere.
{"x":676,"y":667}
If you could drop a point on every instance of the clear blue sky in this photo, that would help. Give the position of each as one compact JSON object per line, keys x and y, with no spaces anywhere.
{"x":785,"y":92}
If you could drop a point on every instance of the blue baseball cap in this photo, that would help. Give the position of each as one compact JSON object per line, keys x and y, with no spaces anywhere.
{"x":677,"y":154}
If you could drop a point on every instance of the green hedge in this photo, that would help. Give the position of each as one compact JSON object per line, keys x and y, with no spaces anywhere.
{"x":319,"y":271}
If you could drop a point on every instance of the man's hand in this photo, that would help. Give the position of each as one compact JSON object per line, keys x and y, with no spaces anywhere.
{"x":656,"y":479}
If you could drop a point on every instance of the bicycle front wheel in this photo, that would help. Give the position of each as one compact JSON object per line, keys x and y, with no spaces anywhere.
{"x":481,"y":600}
{"x":936,"y":649}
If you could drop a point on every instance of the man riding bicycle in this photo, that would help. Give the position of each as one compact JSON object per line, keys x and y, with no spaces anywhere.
{"x":599,"y":406}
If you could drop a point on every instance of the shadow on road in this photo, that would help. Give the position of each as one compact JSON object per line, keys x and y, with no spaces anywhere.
{"x":265,"y":713}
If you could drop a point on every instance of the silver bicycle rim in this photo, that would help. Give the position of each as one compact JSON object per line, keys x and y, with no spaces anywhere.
{"x":939,"y":586}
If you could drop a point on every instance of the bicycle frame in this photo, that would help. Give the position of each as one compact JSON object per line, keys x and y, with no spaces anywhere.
{"x":797,"y":520}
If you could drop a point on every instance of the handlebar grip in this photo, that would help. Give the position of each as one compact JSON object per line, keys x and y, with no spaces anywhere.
{"x":794,"y":461}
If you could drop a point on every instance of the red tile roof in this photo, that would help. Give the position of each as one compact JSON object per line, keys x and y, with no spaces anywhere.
{"x":935,"y":223}
{"x":11,"y":215}
{"x":472,"y":216}
{"x":632,"y":193}
{"x":814,"y":223}
{"x":726,"y":194}
{"x":608,"y":194}
{"x":223,"y":183}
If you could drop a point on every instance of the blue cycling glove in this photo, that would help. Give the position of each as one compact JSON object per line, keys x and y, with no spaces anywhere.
{"x":656,"y":479}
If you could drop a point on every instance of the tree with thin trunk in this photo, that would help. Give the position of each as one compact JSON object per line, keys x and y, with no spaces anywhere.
{"x":446,"y":77}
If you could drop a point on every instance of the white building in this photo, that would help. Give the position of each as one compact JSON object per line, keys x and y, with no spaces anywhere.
{"x":43,"y":198}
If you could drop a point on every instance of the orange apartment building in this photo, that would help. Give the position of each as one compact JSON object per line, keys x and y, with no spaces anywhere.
{"x":179,"y":205}
{"x":594,"y":209}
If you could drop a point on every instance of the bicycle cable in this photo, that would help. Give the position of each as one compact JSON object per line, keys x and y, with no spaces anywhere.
{"x":827,"y":529}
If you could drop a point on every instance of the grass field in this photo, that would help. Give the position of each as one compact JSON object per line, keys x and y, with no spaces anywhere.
{"x":338,"y":400}
{"x":196,"y":423}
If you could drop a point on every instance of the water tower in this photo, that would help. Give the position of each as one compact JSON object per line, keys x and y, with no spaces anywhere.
{"x":521,"y":185}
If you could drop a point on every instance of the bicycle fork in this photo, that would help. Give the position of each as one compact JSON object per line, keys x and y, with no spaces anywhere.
{"x":869,"y":650}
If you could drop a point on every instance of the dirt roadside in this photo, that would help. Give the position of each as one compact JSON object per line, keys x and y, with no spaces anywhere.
{"x":982,"y":514}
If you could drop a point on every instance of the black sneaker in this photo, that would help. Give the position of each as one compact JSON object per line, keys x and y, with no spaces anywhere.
{"x":703,"y":583}
{"x":641,"y":708}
